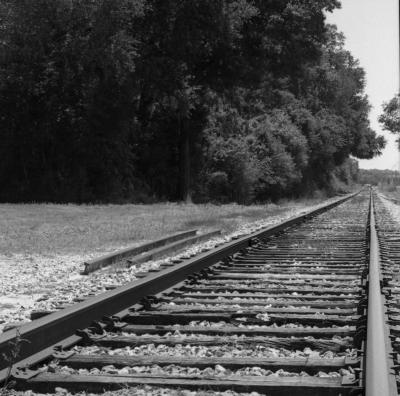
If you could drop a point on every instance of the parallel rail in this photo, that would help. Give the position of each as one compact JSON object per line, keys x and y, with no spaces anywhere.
{"x":298,"y":285}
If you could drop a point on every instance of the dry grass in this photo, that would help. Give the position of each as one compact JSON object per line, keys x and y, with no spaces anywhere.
{"x":49,"y":229}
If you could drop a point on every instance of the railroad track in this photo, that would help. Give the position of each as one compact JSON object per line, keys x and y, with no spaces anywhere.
{"x":294,"y":309}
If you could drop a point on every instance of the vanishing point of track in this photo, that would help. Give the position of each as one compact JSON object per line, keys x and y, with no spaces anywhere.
{"x":308,"y":307}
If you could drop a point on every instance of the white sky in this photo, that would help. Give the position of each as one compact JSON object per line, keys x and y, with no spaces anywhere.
{"x":372,"y":36}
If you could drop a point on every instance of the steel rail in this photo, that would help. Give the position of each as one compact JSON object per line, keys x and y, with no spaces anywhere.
{"x":54,"y":328}
{"x":379,"y":376}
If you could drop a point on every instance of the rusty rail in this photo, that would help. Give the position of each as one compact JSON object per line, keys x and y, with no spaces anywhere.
{"x":52,"y":329}
{"x":379,"y":376}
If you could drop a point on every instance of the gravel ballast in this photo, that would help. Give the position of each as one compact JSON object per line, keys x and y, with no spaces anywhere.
{"x":35,"y":282}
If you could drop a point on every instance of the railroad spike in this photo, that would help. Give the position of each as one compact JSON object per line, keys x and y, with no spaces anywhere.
{"x":204,"y":274}
{"x":146,"y":303}
{"x":62,"y":355}
{"x":361,"y":306}
{"x":110,"y":319}
{"x":87,"y":337}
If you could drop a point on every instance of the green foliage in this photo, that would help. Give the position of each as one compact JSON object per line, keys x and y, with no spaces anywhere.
{"x":281,"y":153}
{"x":124,"y":100}
{"x":11,"y":358}
{"x":66,"y":89}
{"x":228,"y":172}
{"x":390,"y":118}
{"x":379,"y":176}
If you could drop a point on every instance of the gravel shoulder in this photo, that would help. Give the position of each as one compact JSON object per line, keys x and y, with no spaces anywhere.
{"x":44,"y":246}
{"x":393,"y":208}
{"x":142,"y":391}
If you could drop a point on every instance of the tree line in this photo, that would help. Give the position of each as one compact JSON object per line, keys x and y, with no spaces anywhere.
{"x":140,"y":100}
{"x":382,"y":177}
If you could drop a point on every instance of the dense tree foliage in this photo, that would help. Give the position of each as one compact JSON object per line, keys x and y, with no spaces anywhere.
{"x":390,"y":118}
{"x":113,"y":100}
{"x":383,"y":177}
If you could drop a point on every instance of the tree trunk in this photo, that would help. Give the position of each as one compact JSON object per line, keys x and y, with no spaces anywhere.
{"x":184,"y":152}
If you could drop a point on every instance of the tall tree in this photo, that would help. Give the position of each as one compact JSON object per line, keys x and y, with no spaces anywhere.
{"x":390,"y":118}
{"x":66,"y":89}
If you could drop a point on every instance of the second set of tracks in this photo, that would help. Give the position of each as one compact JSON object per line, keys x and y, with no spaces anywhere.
{"x":302,"y":309}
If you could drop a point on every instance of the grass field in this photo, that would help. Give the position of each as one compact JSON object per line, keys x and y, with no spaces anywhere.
{"x":48,"y":229}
